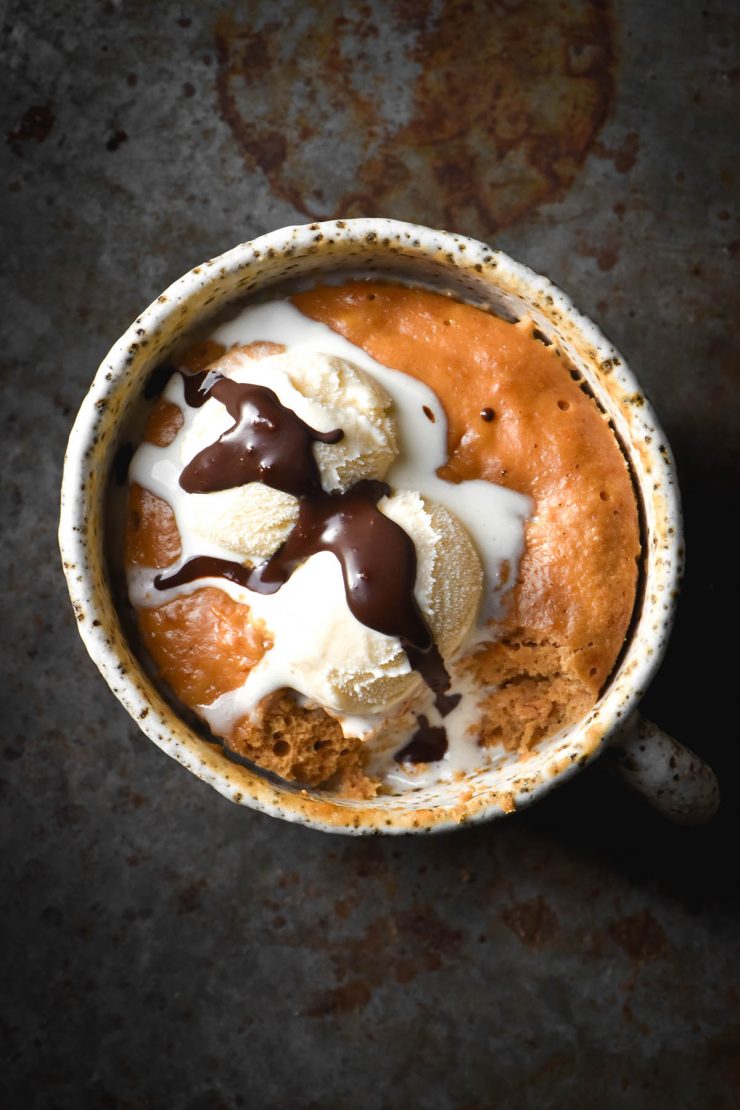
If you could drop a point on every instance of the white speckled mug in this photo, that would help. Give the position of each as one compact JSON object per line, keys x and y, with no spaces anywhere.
{"x":668,"y":775}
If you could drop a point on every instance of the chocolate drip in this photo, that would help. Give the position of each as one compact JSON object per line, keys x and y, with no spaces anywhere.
{"x":267,"y":442}
{"x":427,"y":745}
{"x":192,"y":385}
{"x":206,"y":566}
{"x":430,"y":666}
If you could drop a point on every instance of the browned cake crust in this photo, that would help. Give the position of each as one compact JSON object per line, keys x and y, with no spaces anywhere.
{"x":304,"y":744}
{"x":570,"y":607}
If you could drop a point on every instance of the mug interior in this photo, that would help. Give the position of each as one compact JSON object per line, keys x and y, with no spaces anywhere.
{"x":468,"y":271}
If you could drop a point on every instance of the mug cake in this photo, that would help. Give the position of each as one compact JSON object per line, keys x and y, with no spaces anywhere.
{"x":374,"y":533}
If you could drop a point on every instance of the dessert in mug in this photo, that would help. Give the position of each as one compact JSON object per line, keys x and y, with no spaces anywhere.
{"x":373,"y":532}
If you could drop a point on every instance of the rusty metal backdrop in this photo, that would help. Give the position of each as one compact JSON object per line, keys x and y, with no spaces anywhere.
{"x":163,"y":949}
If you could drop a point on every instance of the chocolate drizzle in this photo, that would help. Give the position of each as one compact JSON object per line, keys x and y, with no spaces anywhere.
{"x":431,"y":667}
{"x":269,"y":443}
{"x":427,"y":745}
{"x":207,"y":566}
{"x":266,"y":443}
{"x":192,"y":387}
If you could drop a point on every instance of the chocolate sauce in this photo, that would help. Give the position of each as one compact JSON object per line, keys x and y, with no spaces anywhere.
{"x":427,"y":745}
{"x":193,"y":387}
{"x":267,"y":442}
{"x":431,"y":667}
{"x":207,"y":566}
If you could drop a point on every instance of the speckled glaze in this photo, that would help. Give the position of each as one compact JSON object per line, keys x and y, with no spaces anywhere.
{"x":669,"y":776}
{"x":477,"y":273}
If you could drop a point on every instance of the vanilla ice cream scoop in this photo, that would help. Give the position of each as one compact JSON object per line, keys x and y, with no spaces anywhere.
{"x":449,"y":575}
{"x":326,"y":392}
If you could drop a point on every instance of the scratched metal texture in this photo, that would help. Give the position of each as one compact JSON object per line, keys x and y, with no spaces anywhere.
{"x":164,"y":949}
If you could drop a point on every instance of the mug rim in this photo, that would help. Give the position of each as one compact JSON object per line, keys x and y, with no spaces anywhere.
{"x":90,"y":447}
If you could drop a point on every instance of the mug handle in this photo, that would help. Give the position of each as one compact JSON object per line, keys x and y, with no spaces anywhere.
{"x":669,"y":776}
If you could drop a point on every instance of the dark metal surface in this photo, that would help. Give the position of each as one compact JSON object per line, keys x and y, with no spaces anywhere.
{"x":164,"y":949}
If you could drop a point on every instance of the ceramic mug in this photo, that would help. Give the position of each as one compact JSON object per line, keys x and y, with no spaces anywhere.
{"x":668,"y":775}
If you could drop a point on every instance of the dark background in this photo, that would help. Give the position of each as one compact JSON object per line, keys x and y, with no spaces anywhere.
{"x":164,"y":949}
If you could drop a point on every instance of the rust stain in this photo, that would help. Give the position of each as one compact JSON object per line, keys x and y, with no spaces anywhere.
{"x":624,"y":155}
{"x":419,"y":939}
{"x":34,"y":125}
{"x":428,"y":939}
{"x":606,"y":255}
{"x":341,"y":1000}
{"x":629,"y":1016}
{"x":640,"y":935}
{"x":188,"y":898}
{"x":128,"y":800}
{"x":405,"y":970}
{"x":466,"y":116}
{"x":343,"y":907}
{"x":398,"y":946}
{"x":607,"y":258}
{"x":70,"y":813}
{"x":533,"y":922}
